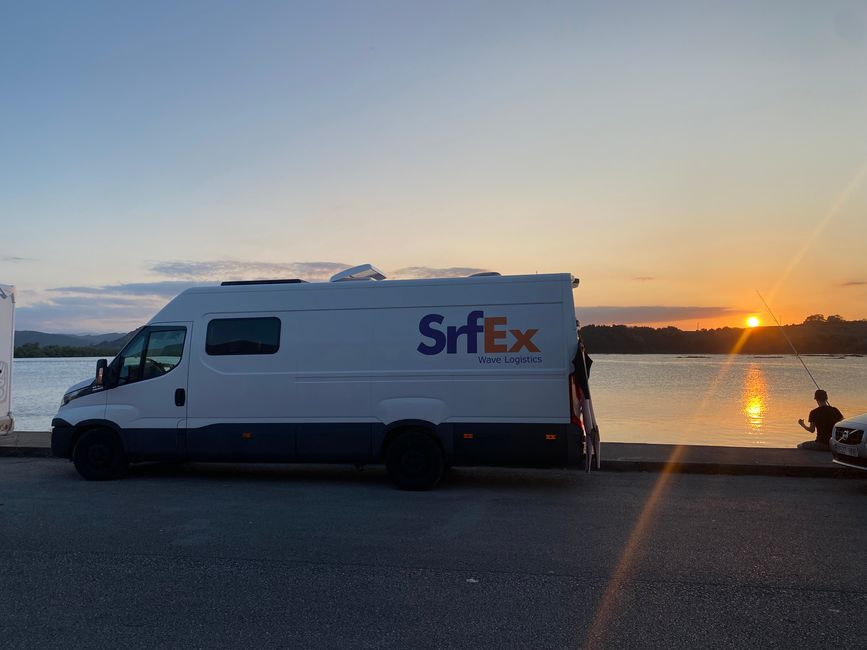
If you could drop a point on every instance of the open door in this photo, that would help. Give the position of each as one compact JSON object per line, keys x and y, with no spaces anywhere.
{"x":7,"y":346}
{"x":582,"y":407}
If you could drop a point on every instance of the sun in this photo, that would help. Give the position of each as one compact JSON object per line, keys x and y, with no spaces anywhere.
{"x":752,"y":321}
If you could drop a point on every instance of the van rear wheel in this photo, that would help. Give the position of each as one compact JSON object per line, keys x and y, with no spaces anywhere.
{"x":99,"y":456}
{"x":414,"y":461}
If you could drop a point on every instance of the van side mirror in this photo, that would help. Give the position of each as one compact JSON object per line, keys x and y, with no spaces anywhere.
{"x":101,"y":365}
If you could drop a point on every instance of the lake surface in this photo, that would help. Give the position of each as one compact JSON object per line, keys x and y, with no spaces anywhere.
{"x":741,"y":401}
{"x":715,"y":400}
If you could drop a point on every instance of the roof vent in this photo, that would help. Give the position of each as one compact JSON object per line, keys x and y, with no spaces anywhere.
{"x":236,"y":283}
{"x":363,"y":272}
{"x":484,"y":274}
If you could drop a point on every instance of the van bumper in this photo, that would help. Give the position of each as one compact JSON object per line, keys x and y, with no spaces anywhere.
{"x":61,"y":438}
{"x":516,"y":444}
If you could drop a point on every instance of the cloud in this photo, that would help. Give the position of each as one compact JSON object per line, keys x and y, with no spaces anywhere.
{"x":853,"y":283}
{"x":13,"y":258}
{"x":428,"y":272}
{"x":644,"y":278}
{"x":98,"y":309}
{"x":125,"y":306}
{"x":163,"y":289}
{"x":219,"y":270}
{"x":80,"y":314}
{"x":603,"y":315}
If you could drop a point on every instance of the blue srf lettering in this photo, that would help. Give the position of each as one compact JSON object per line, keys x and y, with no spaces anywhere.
{"x":426,"y":328}
{"x":471,"y":330}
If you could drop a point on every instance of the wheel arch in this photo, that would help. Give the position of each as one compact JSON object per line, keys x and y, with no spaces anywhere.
{"x":89,"y":425}
{"x":394,"y":429}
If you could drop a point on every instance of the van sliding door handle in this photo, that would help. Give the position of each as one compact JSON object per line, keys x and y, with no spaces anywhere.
{"x":180,"y":397}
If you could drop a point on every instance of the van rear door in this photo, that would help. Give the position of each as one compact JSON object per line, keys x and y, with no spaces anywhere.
{"x":148,"y":396}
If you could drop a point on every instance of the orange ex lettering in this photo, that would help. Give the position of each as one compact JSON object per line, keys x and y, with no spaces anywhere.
{"x":492,"y":334}
{"x":522,"y":340}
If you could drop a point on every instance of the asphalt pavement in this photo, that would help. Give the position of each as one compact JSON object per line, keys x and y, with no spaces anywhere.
{"x":328,"y":557}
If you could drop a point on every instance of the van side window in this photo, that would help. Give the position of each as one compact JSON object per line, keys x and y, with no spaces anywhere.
{"x":243,"y":336}
{"x":152,"y":353}
{"x":165,"y":347}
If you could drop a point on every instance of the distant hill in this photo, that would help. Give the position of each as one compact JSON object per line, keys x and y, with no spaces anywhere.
{"x":30,"y":344}
{"x":24,"y":337}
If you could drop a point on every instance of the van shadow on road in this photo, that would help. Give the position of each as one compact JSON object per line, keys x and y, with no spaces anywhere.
{"x":375,"y":476}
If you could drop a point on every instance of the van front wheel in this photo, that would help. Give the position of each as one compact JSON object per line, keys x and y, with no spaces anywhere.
{"x":414,"y":461}
{"x":99,"y":456}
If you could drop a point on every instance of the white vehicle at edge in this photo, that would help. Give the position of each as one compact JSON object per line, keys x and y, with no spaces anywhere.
{"x":418,"y":374}
{"x":848,"y":442}
{"x":7,"y":345}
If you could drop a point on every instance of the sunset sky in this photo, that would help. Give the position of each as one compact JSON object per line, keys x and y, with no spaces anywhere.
{"x":676,"y":157}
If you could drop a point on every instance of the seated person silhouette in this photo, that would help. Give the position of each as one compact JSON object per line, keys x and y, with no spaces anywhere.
{"x":822,"y":420}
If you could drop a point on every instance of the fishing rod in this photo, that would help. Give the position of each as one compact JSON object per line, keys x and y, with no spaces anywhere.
{"x":783,"y":332}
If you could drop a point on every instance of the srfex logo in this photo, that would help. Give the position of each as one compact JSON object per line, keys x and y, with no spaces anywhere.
{"x":497,"y":336}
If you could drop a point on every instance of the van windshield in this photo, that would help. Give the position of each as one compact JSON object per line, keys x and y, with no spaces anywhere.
{"x":128,"y":362}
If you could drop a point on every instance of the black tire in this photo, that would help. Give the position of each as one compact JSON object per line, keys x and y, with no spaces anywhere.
{"x":99,"y":456}
{"x":414,"y":461}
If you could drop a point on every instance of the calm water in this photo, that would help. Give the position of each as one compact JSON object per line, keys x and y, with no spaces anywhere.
{"x":716,"y":400}
{"x":39,"y":385}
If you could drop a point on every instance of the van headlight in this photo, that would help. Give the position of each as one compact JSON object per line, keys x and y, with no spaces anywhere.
{"x":71,"y":395}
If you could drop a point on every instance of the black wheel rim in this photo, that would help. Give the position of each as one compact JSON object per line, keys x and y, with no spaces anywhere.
{"x":99,"y":455}
{"x":414,"y":462}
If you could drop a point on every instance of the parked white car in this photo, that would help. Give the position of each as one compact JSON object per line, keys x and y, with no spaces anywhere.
{"x":848,"y":442}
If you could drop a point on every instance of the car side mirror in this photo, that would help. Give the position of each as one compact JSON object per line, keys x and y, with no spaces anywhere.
{"x":101,"y":365}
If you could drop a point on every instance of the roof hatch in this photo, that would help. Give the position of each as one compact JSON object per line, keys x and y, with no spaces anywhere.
{"x":363,"y":272}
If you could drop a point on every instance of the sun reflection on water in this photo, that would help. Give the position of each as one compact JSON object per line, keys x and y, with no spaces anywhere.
{"x":755,"y":399}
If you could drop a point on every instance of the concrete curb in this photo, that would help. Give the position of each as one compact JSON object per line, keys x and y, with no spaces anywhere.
{"x":832,"y":471}
{"x":25,"y":452}
{"x":738,"y":461}
{"x":26,"y":444}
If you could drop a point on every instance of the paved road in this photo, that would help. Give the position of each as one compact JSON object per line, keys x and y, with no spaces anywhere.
{"x":252,"y":556}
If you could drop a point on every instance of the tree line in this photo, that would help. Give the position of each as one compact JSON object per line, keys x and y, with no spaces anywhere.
{"x":816,"y":335}
{"x":36,"y":351}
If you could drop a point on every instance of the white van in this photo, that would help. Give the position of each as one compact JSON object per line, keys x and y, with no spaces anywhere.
{"x":419,"y":374}
{"x":7,"y":345}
